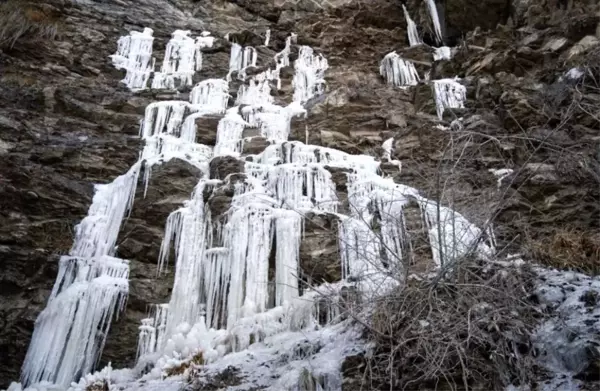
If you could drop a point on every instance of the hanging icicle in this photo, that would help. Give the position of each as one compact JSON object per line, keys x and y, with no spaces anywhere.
{"x":134,"y":55}
{"x":435,"y":20}
{"x":398,"y":72}
{"x":448,"y":94}
{"x":411,"y":29}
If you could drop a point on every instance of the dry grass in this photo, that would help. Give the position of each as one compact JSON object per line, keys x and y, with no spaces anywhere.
{"x":26,"y":20}
{"x":473,"y":331}
{"x":196,"y":360}
{"x":568,"y":249}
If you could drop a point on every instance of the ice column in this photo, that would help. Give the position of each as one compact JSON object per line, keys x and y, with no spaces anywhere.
{"x":70,"y":332}
{"x":435,"y":19}
{"x":183,"y":58}
{"x":411,"y":29}
{"x":309,"y":76}
{"x":134,"y":55}
{"x":398,"y":72}
{"x":448,"y":93}
{"x":152,"y":331}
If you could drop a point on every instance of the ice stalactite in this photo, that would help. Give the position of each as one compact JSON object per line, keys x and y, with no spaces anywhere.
{"x":152,"y":331}
{"x":190,"y":227}
{"x":411,"y":29}
{"x":435,"y":20}
{"x":288,"y":233}
{"x":249,"y":235}
{"x":134,"y":55}
{"x":448,"y":94}
{"x":398,"y":72}
{"x":451,"y":235}
{"x":183,"y":57}
{"x":69,"y":334}
{"x":240,"y":59}
{"x":267,"y":37}
{"x":229,"y":134}
{"x":309,"y":78}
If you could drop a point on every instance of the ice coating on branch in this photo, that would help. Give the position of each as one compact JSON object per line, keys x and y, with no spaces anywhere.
{"x":134,"y":55}
{"x":435,"y":20}
{"x":448,"y":94}
{"x":398,"y":72}
{"x":411,"y":29}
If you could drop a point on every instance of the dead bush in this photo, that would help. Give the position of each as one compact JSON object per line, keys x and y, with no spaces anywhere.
{"x":471,"y":331}
{"x":26,"y":20}
{"x":568,"y":249}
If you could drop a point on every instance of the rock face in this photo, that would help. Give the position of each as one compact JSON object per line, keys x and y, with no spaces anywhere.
{"x":66,"y":123}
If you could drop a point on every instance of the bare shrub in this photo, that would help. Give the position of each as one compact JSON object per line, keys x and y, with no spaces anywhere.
{"x":20,"y":20}
{"x":568,"y":249}
{"x":473,"y":330}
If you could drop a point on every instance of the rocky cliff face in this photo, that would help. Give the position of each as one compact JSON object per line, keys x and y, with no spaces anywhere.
{"x":66,"y":123}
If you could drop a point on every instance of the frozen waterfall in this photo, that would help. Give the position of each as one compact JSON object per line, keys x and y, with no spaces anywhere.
{"x":238,"y":284}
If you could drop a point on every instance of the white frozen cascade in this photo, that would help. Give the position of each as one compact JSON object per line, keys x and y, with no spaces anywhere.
{"x":448,"y":94}
{"x":134,"y":55}
{"x":238,"y":297}
{"x":183,"y":58}
{"x":397,"y":71}
{"x":411,"y":29}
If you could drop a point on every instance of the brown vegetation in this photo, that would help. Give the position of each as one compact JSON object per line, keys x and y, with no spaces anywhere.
{"x":471,"y":330}
{"x":25,"y":20}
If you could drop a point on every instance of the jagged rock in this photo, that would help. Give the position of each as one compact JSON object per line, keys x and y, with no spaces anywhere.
{"x":222,"y":166}
{"x":319,"y":256}
{"x":255,"y":145}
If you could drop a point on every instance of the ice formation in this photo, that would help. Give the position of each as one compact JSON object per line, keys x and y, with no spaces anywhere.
{"x":240,"y":59}
{"x":442,"y":53}
{"x":237,"y":286}
{"x":183,"y":57}
{"x":435,"y":20}
{"x":134,"y":55}
{"x":411,"y":29}
{"x":398,"y":72}
{"x":448,"y":93}
{"x":309,"y":76}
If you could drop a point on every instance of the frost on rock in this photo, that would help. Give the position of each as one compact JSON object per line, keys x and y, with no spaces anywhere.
{"x":448,"y":94}
{"x":411,"y":29}
{"x":183,"y":57}
{"x":398,"y":72}
{"x":134,"y":55}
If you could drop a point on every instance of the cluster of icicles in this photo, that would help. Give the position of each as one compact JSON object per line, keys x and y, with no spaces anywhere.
{"x":399,"y":72}
{"x":225,"y":297}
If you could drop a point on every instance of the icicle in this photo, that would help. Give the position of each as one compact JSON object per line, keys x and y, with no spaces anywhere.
{"x":267,"y":37}
{"x":448,"y":93}
{"x":70,"y":332}
{"x":134,"y":55}
{"x":210,"y":95}
{"x":452,"y":235}
{"x":229,"y":134}
{"x":288,"y":232}
{"x":411,"y":29}
{"x":152,"y":331}
{"x":240,"y":59}
{"x":435,"y":19}
{"x":398,"y":72}
{"x":182,"y":59}
{"x":309,"y":77}
{"x":249,"y":239}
